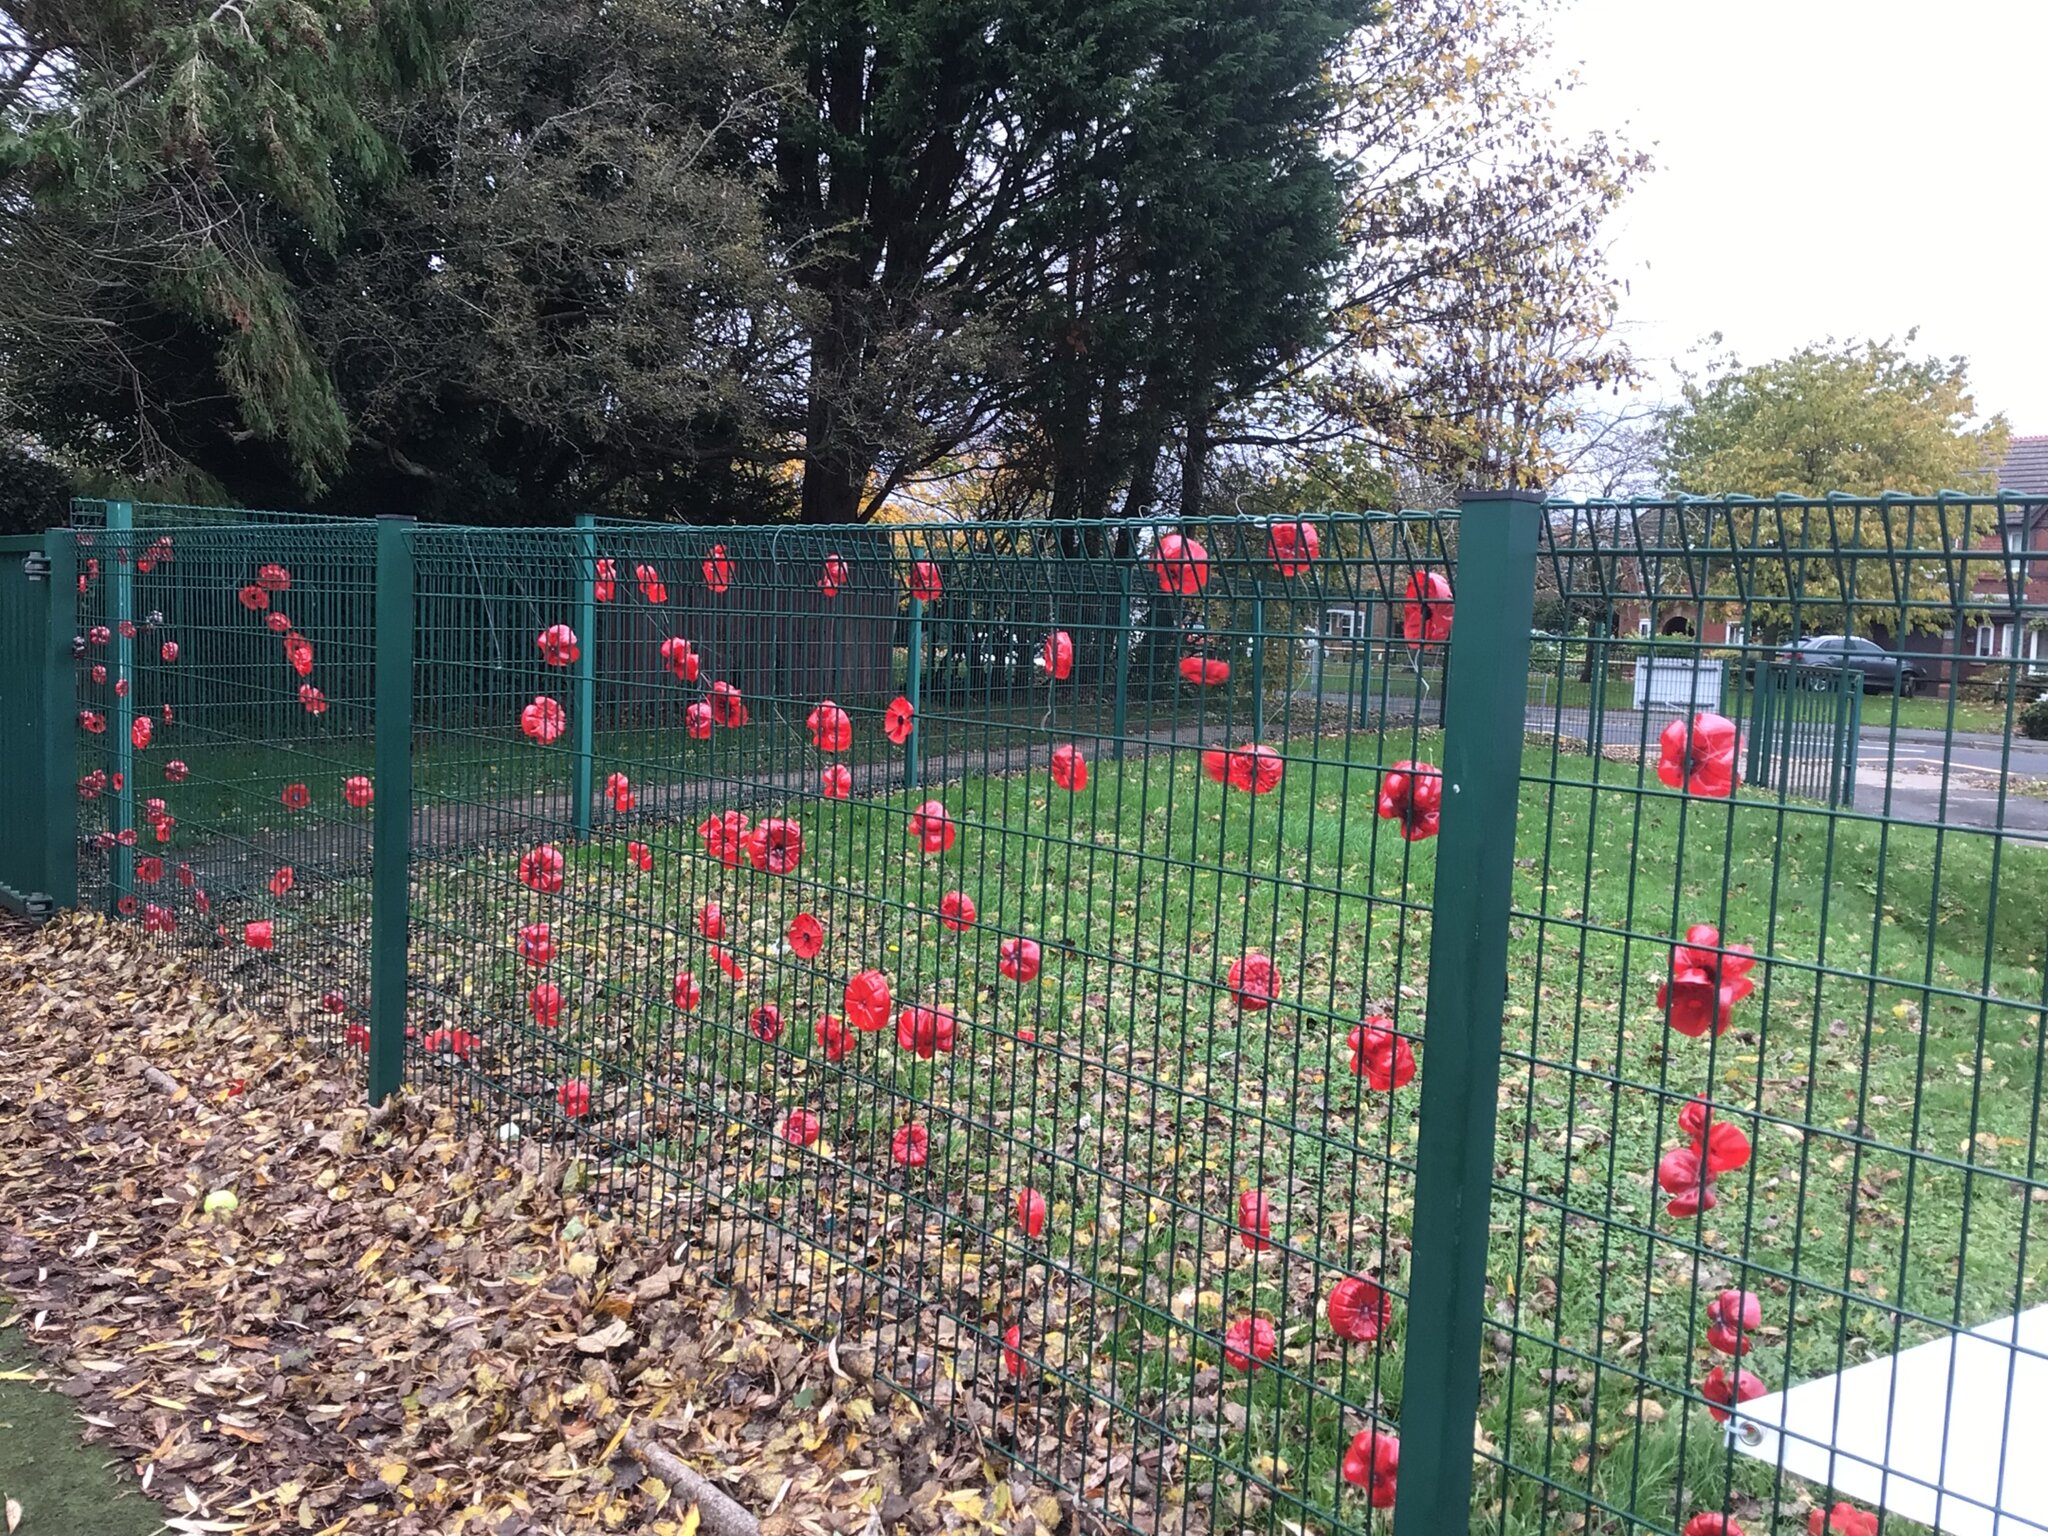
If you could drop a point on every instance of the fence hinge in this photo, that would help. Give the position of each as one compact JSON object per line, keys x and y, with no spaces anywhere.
{"x":36,"y":565}
{"x":38,"y":908}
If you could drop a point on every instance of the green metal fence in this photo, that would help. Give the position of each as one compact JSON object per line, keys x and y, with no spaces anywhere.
{"x":1229,"y":1018}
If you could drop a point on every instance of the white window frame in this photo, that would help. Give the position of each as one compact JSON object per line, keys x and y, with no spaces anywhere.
{"x":1642,"y":626}
{"x":1738,"y":634}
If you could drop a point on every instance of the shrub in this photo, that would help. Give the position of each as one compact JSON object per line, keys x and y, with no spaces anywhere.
{"x":2033,"y":719}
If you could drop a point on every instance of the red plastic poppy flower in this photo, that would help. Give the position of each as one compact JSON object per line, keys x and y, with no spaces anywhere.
{"x":836,"y":782}
{"x":833,"y":1037}
{"x":166,"y":712}
{"x":697,"y":722}
{"x":126,"y":836}
{"x":1204,"y":671}
{"x":1255,"y":770}
{"x":168,"y":651}
{"x":640,"y":856}
{"x":121,"y":688}
{"x":92,"y":722}
{"x":99,"y":634}
{"x":544,"y":1002}
{"x":1843,"y":1519}
{"x":1724,"y":1146}
{"x":280,"y":879}
{"x":1013,"y":1345}
{"x":730,"y":966}
{"x":201,"y":902}
{"x":831,"y":730}
{"x":93,"y":784}
{"x":1031,"y":1212}
{"x":801,"y":1128}
{"x":357,"y":1035}
{"x":926,"y":1031}
{"x":536,"y":944}
{"x":558,"y":645}
{"x":1292,"y":547}
{"x":1181,"y":564}
{"x":99,"y":675}
{"x":924,"y":581}
{"x":1056,"y":656}
{"x":298,"y":650}
{"x":1373,"y":1462}
{"x":1069,"y":768}
{"x":806,"y":937}
{"x":296,"y":796}
{"x":1723,"y":1392}
{"x":151,"y":870}
{"x":1384,"y":1059}
{"x":685,"y":994}
{"x":1683,"y":1175}
{"x":932,"y":827}
{"x":459,"y":1043}
{"x":1254,"y":1220}
{"x":1706,"y":981}
{"x":312,"y":699}
{"x":540,"y":869}
{"x":1412,"y":793}
{"x":776,"y":846}
{"x":259,"y":934}
{"x":543,"y":719}
{"x":1019,"y":959}
{"x":162,"y":828}
{"x":574,"y":1098}
{"x":1426,"y":610}
{"x":727,"y":707}
{"x":619,"y":790}
{"x":725,"y":837}
{"x":128,"y":906}
{"x":358,"y":791}
{"x":1699,"y":755}
{"x":278,"y":622}
{"x":911,"y":1145}
{"x":140,"y":730}
{"x":1733,"y":1318}
{"x":333,"y":1002}
{"x":606,"y":585}
{"x":711,"y":920}
{"x":898,"y":719}
{"x":1253,"y":982}
{"x":835,"y":578}
{"x":652,"y":587}
{"x":274,"y":578}
{"x":766,"y":1022}
{"x":718,"y":570}
{"x":1249,"y":1343}
{"x":866,"y":1001}
{"x":681,"y":658}
{"x":254,"y":598}
{"x":956,"y":911}
{"x":1359,"y":1310}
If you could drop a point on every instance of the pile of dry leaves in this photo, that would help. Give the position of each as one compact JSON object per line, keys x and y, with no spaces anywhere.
{"x":290,"y":1313}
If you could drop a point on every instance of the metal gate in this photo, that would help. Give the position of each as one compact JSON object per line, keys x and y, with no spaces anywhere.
{"x":38,"y":859}
{"x":1804,"y":727}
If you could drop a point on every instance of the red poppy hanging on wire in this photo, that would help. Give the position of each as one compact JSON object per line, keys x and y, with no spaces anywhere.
{"x":358,"y":791}
{"x":540,"y":869}
{"x":1698,"y":755}
{"x":685,"y":993}
{"x":606,"y":586}
{"x":1373,"y":1462}
{"x":1056,"y":656}
{"x":1069,"y":768}
{"x":536,"y":944}
{"x":728,"y":708}
{"x":544,"y":1002}
{"x":897,"y":720}
{"x":1721,"y":1143}
{"x":1254,"y":1220}
{"x":925,"y":1031}
{"x":924,"y":581}
{"x":652,"y":587}
{"x":802,"y":1128}
{"x":1359,"y":1309}
{"x":1412,"y":793}
{"x":574,"y":1098}
{"x":1293,"y":547}
{"x":807,"y":937}
{"x":640,"y":856}
{"x":544,"y":719}
{"x":312,"y":700}
{"x":835,"y":577}
{"x":1254,"y":984}
{"x":296,"y":797}
{"x":558,"y":646}
{"x":866,"y":1001}
{"x":956,"y":911}
{"x":830,"y":727}
{"x":932,"y":826}
{"x":1723,"y":1391}
{"x":1031,"y":1212}
{"x":833,"y":1037}
{"x":681,"y":658}
{"x":1019,"y":959}
{"x":1426,"y":609}
{"x":1383,"y":1058}
{"x":718,"y":571}
{"x":911,"y":1145}
{"x":697,"y":721}
{"x":1249,"y":1343}
{"x":1202,"y":671}
{"x":1706,"y":981}
{"x":776,"y":846}
{"x":725,"y":837}
{"x":1255,"y":770}
{"x":766,"y":1023}
{"x":1733,"y":1318}
{"x":836,"y":782}
{"x":619,"y":790}
{"x":1181,"y":565}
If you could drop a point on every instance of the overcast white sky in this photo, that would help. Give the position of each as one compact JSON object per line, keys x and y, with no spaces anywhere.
{"x":1831,"y":168}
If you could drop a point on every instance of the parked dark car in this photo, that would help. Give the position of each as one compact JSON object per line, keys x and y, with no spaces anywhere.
{"x":1882,"y":669}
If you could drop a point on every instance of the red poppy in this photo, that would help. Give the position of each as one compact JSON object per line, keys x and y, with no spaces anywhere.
{"x":924,"y":581}
{"x":1031,"y":1212}
{"x":1373,"y":1462}
{"x":776,"y":846}
{"x":1056,"y":656}
{"x":807,"y":937}
{"x":544,"y":1002}
{"x":1254,"y":1220}
{"x":128,"y":906}
{"x":94,"y":784}
{"x":1359,"y":1310}
{"x":99,"y":634}
{"x":640,"y":856}
{"x":932,"y":827}
{"x":278,"y":623}
{"x":836,"y":782}
{"x":1292,"y":547}
{"x":727,"y":707}
{"x":1069,"y":768}
{"x":298,"y":650}
{"x":92,"y":722}
{"x":296,"y":796}
{"x":1683,"y":1175}
{"x":1181,"y":564}
{"x":166,"y":712}
{"x":835,"y":578}
{"x":1699,"y":755}
{"x":711,"y":920}
{"x":358,"y":791}
{"x":1384,"y":1059}
{"x":280,"y":880}
{"x":831,"y":730}
{"x":1724,"y":1146}
{"x":718,"y":570}
{"x":258,"y":935}
{"x":897,"y":720}
{"x":254,"y":598}
{"x":1843,"y":1519}
{"x":314,"y":701}
{"x":619,"y":790}
{"x":154,"y":807}
{"x":558,"y":645}
{"x":162,"y":828}
{"x":543,"y":719}
{"x":730,"y":966}
{"x":652,"y":587}
{"x":357,"y":1035}
{"x":697,"y":722}
{"x":956,"y":911}
{"x":536,"y":944}
{"x":911,"y":1145}
{"x":540,"y":869}
{"x":168,"y":651}
{"x":681,"y":658}
{"x":606,"y":586}
{"x":801,"y":1129}
{"x":201,"y":901}
{"x":99,"y":674}
{"x":866,"y":1001}
{"x":1412,"y":793}
{"x":1204,"y":671}
{"x":766,"y":1022}
{"x":126,"y":836}
{"x":151,"y":870}
{"x":121,"y":688}
{"x":926,"y":1031}
{"x":185,"y":875}
{"x":685,"y":994}
{"x":1019,"y":959}
{"x":1723,"y":1392}
{"x":1426,"y":612}
{"x":274,"y":578}
{"x":1253,"y":982}
{"x":140,"y":730}
{"x":833,"y":1037}
{"x":1013,"y":1344}
{"x":574,"y":1098}
{"x":1255,"y":770}
{"x":1249,"y":1343}
{"x":1706,"y":981}
{"x":459,"y":1043}
{"x":725,"y":837}
{"x":1732,"y":1318}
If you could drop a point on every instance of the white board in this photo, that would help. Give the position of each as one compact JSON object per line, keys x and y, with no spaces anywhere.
{"x":1952,"y":1434}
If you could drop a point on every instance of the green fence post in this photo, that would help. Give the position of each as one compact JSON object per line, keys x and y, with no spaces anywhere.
{"x":391,"y":829}
{"x":1487,"y":683}
{"x":118,"y":565}
{"x":1596,"y":699}
{"x":1258,"y":666}
{"x":1120,"y":714}
{"x":582,"y":718}
{"x":913,"y":662}
{"x":1362,"y":637}
{"x":60,"y":727}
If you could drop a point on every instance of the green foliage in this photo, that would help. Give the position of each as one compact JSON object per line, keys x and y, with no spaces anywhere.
{"x":2033,"y":720}
{"x":34,"y":495}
